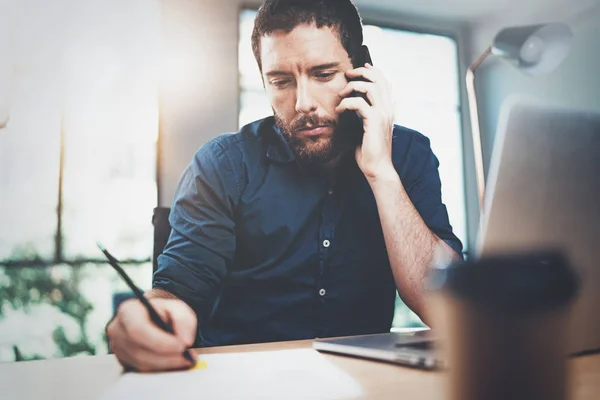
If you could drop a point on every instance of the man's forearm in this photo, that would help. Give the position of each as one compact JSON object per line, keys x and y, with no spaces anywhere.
{"x":160,"y":294}
{"x":410,"y":244}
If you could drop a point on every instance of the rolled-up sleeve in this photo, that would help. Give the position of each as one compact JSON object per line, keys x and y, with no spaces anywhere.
{"x":425,"y":190}
{"x":202,"y":243}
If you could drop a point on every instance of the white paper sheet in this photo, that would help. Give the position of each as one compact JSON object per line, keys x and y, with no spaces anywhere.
{"x":284,"y":374}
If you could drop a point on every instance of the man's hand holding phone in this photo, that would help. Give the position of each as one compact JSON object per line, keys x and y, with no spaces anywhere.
{"x":374,"y":154}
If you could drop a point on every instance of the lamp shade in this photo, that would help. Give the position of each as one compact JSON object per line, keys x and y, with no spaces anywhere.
{"x":535,"y":49}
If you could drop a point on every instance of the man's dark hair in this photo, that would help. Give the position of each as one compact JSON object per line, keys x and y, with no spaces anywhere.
{"x":340,"y":15}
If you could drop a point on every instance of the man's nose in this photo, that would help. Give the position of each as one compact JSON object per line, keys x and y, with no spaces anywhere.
{"x":305,"y":101}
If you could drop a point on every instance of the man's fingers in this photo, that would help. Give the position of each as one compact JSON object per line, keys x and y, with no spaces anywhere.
{"x":143,"y":360}
{"x":180,"y":316}
{"x":138,"y":328}
{"x":184,"y":322}
{"x":146,"y":361}
{"x":152,"y":338}
{"x":367,"y":88}
{"x":370,"y":74}
{"x":376,"y":74}
{"x":377,"y":88}
{"x":355,"y":103}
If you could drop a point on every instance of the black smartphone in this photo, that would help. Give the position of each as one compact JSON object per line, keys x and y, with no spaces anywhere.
{"x":350,"y":120}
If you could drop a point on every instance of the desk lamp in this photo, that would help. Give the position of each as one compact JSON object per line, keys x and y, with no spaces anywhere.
{"x":535,"y":50}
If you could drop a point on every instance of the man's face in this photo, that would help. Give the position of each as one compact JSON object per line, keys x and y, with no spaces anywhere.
{"x":303,"y":72}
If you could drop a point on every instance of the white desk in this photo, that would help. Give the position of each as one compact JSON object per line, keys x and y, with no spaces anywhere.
{"x":82,"y":378}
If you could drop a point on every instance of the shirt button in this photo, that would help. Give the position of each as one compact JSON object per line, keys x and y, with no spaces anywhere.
{"x":330,"y":191}
{"x":322,"y":292}
{"x":326,"y":243}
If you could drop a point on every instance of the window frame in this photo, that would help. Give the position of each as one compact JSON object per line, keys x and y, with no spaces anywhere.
{"x":59,"y":257}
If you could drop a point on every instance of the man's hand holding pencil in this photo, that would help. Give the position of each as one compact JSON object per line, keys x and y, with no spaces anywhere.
{"x":138,"y":343}
{"x":151,"y":334}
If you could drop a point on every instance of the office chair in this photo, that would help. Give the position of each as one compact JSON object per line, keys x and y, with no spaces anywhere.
{"x":162,"y":230}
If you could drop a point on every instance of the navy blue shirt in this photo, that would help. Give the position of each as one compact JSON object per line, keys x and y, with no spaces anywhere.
{"x":264,"y":249}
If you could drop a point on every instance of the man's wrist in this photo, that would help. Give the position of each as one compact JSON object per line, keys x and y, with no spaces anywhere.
{"x":160,"y":294}
{"x":384,"y":177}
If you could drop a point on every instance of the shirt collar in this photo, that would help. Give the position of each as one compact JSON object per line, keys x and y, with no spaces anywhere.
{"x":279,"y":150}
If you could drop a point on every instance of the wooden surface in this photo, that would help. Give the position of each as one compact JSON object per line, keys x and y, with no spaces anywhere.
{"x":82,"y":378}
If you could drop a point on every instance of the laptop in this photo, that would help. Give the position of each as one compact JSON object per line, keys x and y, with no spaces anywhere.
{"x":543,"y":190}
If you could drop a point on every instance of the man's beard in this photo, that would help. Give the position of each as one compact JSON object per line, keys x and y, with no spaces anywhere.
{"x":308,"y":150}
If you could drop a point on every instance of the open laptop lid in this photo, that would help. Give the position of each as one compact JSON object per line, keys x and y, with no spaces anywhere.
{"x":544,"y":191}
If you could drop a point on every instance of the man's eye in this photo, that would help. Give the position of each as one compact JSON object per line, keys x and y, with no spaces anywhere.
{"x":325,"y":76}
{"x":280,"y":83}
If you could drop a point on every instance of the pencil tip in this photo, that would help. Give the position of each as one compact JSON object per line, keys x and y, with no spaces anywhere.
{"x":100,"y":246}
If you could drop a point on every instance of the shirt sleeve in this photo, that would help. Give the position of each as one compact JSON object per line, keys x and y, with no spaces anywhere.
{"x":202,"y":243}
{"x":424,"y":188}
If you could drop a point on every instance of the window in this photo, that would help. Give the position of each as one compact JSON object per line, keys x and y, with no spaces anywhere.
{"x":423,"y":70}
{"x":77,"y":166}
